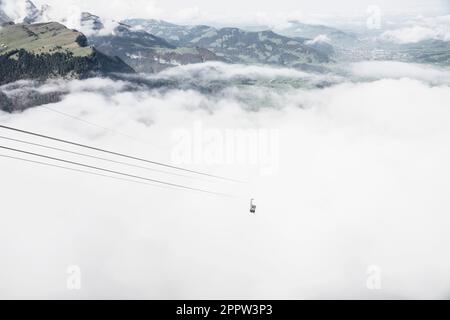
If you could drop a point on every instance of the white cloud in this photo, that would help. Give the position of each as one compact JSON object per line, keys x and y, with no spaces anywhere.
{"x":217,"y":70}
{"x":140,"y":8}
{"x":363,"y":180}
{"x":420,"y":29}
{"x":322,"y":38}
{"x":238,"y":12}
{"x":398,"y":70}
{"x":415,"y":34}
{"x":16,"y":10}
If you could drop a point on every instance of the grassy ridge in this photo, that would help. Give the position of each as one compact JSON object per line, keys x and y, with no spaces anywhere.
{"x":43,"y":38}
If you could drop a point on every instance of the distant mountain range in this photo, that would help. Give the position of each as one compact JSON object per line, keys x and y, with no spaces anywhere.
{"x":39,"y":49}
{"x":143,"y":51}
{"x":437,"y":52}
{"x":236,"y":45}
{"x":335,"y":37}
{"x":151,"y":46}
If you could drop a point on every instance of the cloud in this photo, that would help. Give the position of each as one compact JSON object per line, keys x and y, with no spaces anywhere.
{"x":415,"y":34}
{"x":322,"y":38}
{"x":171,"y":8}
{"x":233,"y":12}
{"x":16,"y":10}
{"x":363,"y":181}
{"x":398,"y":70}
{"x":349,"y":14}
{"x":420,"y":29}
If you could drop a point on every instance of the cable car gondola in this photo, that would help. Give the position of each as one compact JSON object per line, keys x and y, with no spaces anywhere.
{"x":252,"y":206}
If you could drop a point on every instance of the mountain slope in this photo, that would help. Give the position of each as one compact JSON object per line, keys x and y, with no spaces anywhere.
{"x":430,"y":51}
{"x":49,"y":50}
{"x":33,"y":14}
{"x":3,"y":17}
{"x":91,"y":22}
{"x":236,"y":45}
{"x":265,"y":47}
{"x":435,"y":52}
{"x":29,"y":13}
{"x":336,"y":37}
{"x":142,"y":50}
{"x":175,"y":34}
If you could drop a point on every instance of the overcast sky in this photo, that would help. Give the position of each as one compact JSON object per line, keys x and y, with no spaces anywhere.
{"x":198,"y":10}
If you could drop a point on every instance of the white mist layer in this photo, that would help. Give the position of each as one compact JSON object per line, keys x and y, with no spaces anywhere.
{"x":363,"y":180}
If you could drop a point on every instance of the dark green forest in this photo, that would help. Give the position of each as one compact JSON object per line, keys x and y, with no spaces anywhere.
{"x":26,"y":65}
{"x":43,"y":66}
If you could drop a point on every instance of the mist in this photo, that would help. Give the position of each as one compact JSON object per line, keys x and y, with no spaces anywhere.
{"x":233,"y":12}
{"x":361,"y":181}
